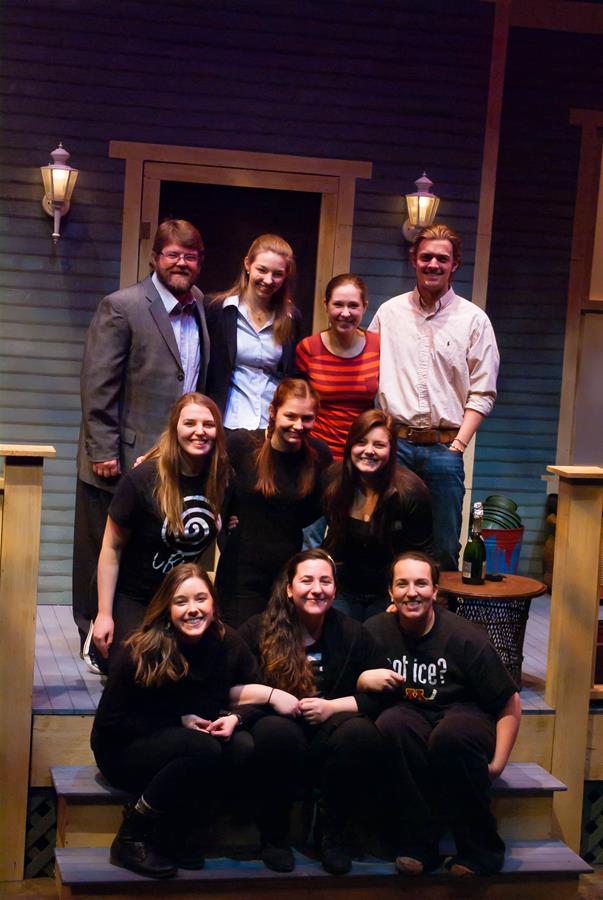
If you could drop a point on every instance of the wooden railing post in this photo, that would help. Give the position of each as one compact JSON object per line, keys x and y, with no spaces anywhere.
{"x":19,"y":556}
{"x":574,"y":615}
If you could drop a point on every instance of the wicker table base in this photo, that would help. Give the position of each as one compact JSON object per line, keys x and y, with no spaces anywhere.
{"x":502,"y":607}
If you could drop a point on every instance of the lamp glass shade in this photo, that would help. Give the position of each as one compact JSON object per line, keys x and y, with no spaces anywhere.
{"x":59,"y":182}
{"x":422,"y":209}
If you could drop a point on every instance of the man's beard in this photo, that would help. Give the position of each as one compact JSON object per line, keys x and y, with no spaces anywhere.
{"x":177,"y":287}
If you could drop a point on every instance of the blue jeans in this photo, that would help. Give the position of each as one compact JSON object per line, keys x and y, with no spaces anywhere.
{"x":314,"y":534}
{"x":360,"y":606}
{"x":443,"y":472}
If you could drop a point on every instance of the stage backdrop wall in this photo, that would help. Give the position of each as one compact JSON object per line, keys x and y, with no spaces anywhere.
{"x":548,"y":73}
{"x":401,"y":86}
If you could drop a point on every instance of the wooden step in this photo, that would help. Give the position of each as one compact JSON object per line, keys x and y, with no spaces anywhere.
{"x":89,"y":808}
{"x":532,"y":870}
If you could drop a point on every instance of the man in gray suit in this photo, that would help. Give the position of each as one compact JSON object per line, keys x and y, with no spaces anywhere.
{"x":146,"y":346}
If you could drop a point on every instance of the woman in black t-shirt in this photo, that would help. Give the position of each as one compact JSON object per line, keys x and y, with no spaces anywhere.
{"x":375,"y":510}
{"x":314,"y":653}
{"x":163,"y":730}
{"x":164,"y":511}
{"x":275,"y":492}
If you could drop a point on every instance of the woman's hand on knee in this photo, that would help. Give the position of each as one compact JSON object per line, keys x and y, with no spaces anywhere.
{"x":316,"y":710}
{"x":224,"y":726}
{"x":102,"y":634}
{"x":195,"y":722}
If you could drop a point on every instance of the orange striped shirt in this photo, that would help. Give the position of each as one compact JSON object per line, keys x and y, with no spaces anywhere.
{"x":346,"y":385}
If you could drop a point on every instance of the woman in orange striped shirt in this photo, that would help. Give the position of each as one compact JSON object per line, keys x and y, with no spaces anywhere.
{"x":341,"y":363}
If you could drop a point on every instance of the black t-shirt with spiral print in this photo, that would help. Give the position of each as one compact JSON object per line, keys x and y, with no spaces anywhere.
{"x":152,"y":550}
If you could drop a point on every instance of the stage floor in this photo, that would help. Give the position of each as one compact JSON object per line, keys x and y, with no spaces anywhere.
{"x":64,"y":686}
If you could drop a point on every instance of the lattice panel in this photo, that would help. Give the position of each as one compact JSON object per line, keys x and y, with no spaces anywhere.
{"x":592,"y":823}
{"x":41,"y":833}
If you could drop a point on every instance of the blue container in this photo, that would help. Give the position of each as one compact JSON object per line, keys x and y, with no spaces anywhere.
{"x":503,"y":546}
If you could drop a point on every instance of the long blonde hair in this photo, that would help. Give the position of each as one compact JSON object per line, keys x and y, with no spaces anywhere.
{"x":154,"y":646}
{"x":281,"y":302}
{"x":167,"y":453}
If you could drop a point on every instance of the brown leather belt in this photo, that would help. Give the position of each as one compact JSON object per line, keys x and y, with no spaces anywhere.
{"x":427,"y":435}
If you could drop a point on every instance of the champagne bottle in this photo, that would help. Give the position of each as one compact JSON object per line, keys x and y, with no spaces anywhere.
{"x":474,"y":555}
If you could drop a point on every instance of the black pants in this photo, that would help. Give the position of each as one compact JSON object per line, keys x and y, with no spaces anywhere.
{"x":128,"y":614}
{"x":91,"y":505}
{"x":179,"y":769}
{"x":343,"y":758}
{"x":439,"y":777}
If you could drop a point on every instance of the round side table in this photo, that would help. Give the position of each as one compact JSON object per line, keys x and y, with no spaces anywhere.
{"x":502,"y":607}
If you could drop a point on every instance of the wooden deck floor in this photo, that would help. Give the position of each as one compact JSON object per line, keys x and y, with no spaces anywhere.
{"x":63,"y":685}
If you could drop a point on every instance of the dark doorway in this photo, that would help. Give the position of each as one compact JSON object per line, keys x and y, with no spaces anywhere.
{"x":230,"y":218}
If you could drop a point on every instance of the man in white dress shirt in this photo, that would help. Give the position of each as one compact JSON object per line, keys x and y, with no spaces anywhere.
{"x":439,"y":364}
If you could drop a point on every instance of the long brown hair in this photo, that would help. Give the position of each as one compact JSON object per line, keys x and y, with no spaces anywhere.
{"x":167,"y":452}
{"x":266,"y":455}
{"x":283,"y":659}
{"x":154,"y":646}
{"x":344,"y":479}
{"x":281,"y":302}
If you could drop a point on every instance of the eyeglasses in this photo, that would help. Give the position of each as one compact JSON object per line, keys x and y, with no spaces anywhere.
{"x":174,"y":256}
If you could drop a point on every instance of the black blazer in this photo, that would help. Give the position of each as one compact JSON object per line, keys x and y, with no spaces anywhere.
{"x":222,"y":329}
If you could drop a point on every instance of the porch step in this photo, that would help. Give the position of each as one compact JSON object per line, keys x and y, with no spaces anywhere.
{"x":544,"y":868}
{"x":89,"y":808}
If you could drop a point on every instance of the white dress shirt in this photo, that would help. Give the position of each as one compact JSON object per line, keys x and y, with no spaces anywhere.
{"x":186,"y":331}
{"x":435,"y":363}
{"x":255,"y":373}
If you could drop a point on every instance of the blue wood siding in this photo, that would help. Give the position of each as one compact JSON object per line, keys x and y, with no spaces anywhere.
{"x":401,"y":84}
{"x":547,"y":74}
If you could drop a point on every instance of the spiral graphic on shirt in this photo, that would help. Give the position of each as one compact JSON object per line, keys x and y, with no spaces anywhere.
{"x":199,"y":524}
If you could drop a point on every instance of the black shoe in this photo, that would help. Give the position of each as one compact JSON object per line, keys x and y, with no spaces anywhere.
{"x":329,"y":831}
{"x":140,"y":856}
{"x":133,"y":849}
{"x":334,"y":856}
{"x":94,"y":662}
{"x":184,"y":849}
{"x":278,"y":857}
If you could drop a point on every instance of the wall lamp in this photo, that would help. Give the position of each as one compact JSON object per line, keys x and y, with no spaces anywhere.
{"x":422,"y":207}
{"x":59,"y":181}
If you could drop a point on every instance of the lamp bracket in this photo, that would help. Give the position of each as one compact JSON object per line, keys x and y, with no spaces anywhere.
{"x":410,"y":231}
{"x":49,"y":207}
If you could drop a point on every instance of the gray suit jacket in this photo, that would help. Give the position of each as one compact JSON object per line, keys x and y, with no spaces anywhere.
{"x":131,"y":377}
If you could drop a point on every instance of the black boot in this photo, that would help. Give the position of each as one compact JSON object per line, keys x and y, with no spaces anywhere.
{"x":132,"y":847}
{"x":334,"y":854}
{"x":276,"y":853}
{"x":182,"y":839}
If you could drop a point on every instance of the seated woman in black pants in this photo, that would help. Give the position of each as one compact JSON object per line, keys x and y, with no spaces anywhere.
{"x":164,"y":512}
{"x":376,"y":509}
{"x":161,"y":730}
{"x":315,"y":653}
{"x":451,"y":726}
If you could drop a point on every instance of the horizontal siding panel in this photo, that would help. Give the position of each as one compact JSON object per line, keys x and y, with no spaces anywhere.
{"x":53,"y":384}
{"x":530,"y":259}
{"x":34,"y":331}
{"x":42,"y":349}
{"x":332,"y":88}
